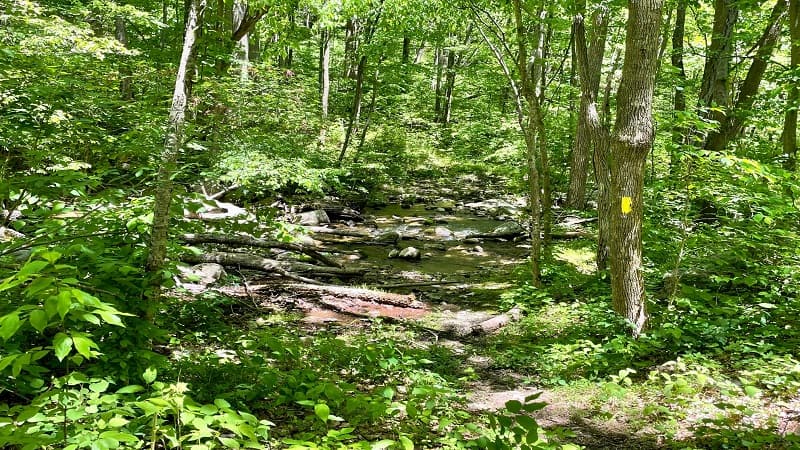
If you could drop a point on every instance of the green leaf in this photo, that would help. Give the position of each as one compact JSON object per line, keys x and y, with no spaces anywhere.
{"x":9,"y":325}
{"x":131,"y":389}
{"x":62,"y":344}
{"x":64,"y":303}
{"x":122,"y":437}
{"x":767,"y":305}
{"x":514,"y":406}
{"x":118,"y":422}
{"x":751,"y":391}
{"x":5,"y":362}
{"x":322,"y":411}
{"x":31,"y":268}
{"x":84,"y":345}
{"x":229,"y":443}
{"x":149,"y":375}
{"x":99,"y":386}
{"x":406,"y":443}
{"x":38,"y":320}
{"x":50,"y":256}
{"x":110,"y":318}
{"x":382,"y":444}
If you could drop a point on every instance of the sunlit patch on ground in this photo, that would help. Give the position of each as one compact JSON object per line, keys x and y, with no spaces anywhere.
{"x":581,"y":258}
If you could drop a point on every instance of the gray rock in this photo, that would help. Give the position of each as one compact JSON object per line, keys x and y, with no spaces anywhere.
{"x":409,"y":253}
{"x":394,"y":253}
{"x":313,"y":218}
{"x":508,"y":229}
{"x":201,"y":274}
{"x":442,"y":232}
{"x":389,"y":237}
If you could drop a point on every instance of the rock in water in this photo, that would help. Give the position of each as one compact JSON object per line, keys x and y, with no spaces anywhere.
{"x":389,"y":237}
{"x":409,"y":253}
{"x":509,"y":229}
{"x":442,"y":232}
{"x":313,"y":218}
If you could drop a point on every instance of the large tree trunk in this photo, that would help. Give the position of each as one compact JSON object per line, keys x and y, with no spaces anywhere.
{"x":631,"y":142}
{"x":121,"y":33}
{"x":454,"y":60}
{"x":579,"y":168}
{"x":734,"y":119}
{"x":370,"y":110}
{"x":537,"y":81}
{"x":169,"y":156}
{"x":715,"y":86}
{"x":406,"y":49}
{"x":793,"y":99}
{"x":439,"y":61}
{"x":351,"y":48}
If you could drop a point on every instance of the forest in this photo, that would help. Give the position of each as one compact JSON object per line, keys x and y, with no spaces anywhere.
{"x":399,"y":224}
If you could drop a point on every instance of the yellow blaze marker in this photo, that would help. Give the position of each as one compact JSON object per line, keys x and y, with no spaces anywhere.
{"x":626,"y":205}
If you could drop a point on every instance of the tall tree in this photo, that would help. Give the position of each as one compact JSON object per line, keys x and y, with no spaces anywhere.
{"x":590,"y":85}
{"x":715,"y":85}
{"x":630,"y":143}
{"x":679,"y":93}
{"x":732,"y":120}
{"x":793,"y":99}
{"x":169,"y":157}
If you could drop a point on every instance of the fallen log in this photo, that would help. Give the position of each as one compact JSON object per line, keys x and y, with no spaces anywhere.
{"x":339,"y":232}
{"x":406,"y":301}
{"x":249,"y":241}
{"x":283,"y":268}
{"x":417,"y":284}
{"x":497,"y":322}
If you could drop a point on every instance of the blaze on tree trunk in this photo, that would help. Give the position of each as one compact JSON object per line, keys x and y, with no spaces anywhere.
{"x":579,"y":168}
{"x":169,"y":156}
{"x":793,"y":99}
{"x":630,"y":143}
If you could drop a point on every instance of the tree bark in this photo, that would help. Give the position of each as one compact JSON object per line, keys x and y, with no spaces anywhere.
{"x":351,"y":48}
{"x":406,"y":49}
{"x":325,"y":70}
{"x":715,"y":86}
{"x":125,"y":78}
{"x":454,"y":60}
{"x":789,"y":138}
{"x":169,"y":155}
{"x":679,"y":95}
{"x":733,"y":120}
{"x":576,"y":197}
{"x":355,"y":111}
{"x":630,"y":144}
{"x":438,"y":60}
{"x":370,"y":110}
{"x":242,"y":46}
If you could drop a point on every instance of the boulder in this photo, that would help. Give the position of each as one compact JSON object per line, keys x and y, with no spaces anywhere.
{"x":389,"y":237}
{"x":201,"y":274}
{"x":409,"y":253}
{"x":393,"y":253}
{"x":313,"y":218}
{"x":442,"y":232}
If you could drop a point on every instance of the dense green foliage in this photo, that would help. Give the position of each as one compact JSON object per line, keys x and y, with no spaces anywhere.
{"x":81,"y":368}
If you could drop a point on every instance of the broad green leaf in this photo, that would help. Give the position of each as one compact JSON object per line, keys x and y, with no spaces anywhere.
{"x":322,"y":411}
{"x":6,"y":361}
{"x":751,"y":391}
{"x":149,"y":375}
{"x":64,"y":303}
{"x":9,"y":325}
{"x":382,"y":444}
{"x":117,"y":422}
{"x":38,"y":320}
{"x":62,"y":344}
{"x":131,"y":389}
{"x":84,"y":346}
{"x":229,"y":443}
{"x":110,"y":318}
{"x":99,"y":386}
{"x":122,"y":437}
{"x":514,"y":406}
{"x":31,"y":268}
{"x":406,"y":443}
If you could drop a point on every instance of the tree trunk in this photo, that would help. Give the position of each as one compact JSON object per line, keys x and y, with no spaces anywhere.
{"x":325,"y":70}
{"x":370,"y":110}
{"x":454,"y":60}
{"x":241,"y":52}
{"x":715,"y":86}
{"x":420,"y":53}
{"x":121,"y":33}
{"x":679,"y":100}
{"x":631,"y":142}
{"x":355,"y":111}
{"x":406,"y":49}
{"x":731,"y":125}
{"x":169,"y":156}
{"x":437,"y":83}
{"x":537,"y":82}
{"x":351,"y":48}
{"x":789,"y":138}
{"x":576,"y":197}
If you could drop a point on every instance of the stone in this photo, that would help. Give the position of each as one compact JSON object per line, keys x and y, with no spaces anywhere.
{"x":393,"y":253}
{"x":201,"y":274}
{"x":313,"y":218}
{"x":409,"y":253}
{"x":389,"y":237}
{"x":508,"y":229}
